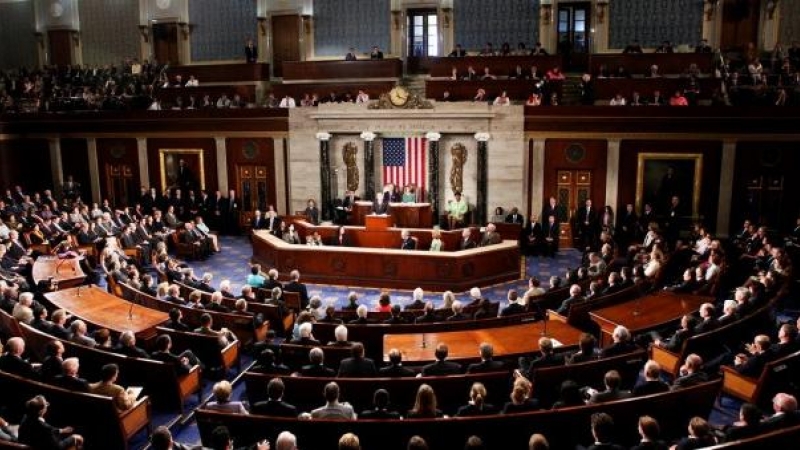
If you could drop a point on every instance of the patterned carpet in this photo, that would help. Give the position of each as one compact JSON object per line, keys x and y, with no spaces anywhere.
{"x":232,"y":264}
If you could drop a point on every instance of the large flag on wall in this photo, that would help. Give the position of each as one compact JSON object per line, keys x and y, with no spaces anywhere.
{"x":405,"y":162}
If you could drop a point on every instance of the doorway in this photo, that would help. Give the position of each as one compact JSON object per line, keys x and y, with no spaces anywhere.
{"x":119,"y":184}
{"x":60,"y":45}
{"x":574,"y":34}
{"x":573,"y":188}
{"x":165,"y":43}
{"x":285,"y":41}
{"x":423,"y":32}
{"x":740,"y":20}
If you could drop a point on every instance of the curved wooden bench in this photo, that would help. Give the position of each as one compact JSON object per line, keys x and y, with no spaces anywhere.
{"x":778,"y":439}
{"x":161,"y":382}
{"x":207,"y":348}
{"x":701,"y":343}
{"x":777,"y":376}
{"x":92,"y":416}
{"x":452,"y":391}
{"x":564,"y":428}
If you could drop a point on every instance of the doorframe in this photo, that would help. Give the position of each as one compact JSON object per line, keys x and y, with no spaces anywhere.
{"x":184,"y":49}
{"x":270,"y":46}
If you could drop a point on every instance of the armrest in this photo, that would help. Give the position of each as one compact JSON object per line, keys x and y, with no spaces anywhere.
{"x":670,"y":362}
{"x":738,"y":385}
{"x":137,"y":417}
{"x":552,"y":315}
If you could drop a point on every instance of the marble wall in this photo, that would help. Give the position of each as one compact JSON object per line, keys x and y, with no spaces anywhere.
{"x":221,"y":28}
{"x":109,"y":31}
{"x":790,"y":22}
{"x":16,"y":34}
{"x":457,"y":123}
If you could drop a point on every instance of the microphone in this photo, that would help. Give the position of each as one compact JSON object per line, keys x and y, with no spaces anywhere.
{"x":130,"y":312}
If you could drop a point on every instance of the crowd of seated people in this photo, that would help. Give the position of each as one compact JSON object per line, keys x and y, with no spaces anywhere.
{"x":505,"y":50}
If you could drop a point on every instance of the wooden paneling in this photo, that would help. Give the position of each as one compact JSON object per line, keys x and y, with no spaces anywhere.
{"x":594,"y":160}
{"x":60,"y":47}
{"x":740,"y":20}
{"x":221,"y":73}
{"x":321,"y":70}
{"x":252,"y":152}
{"x":285,"y":41}
{"x":75,"y":162}
{"x":168,"y":95}
{"x":639,"y":63}
{"x":209,"y":159}
{"x":25,"y":163}
{"x":607,"y":88}
{"x":117,"y":153}
{"x":165,"y":43}
{"x":498,"y":65}
{"x":765,"y":184}
{"x":466,"y":90}
{"x":709,"y":192}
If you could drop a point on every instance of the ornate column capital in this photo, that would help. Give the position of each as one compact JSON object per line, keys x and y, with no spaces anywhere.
{"x":368,"y":136}
{"x":324,"y":136}
{"x":433,"y":136}
{"x":482,"y":137}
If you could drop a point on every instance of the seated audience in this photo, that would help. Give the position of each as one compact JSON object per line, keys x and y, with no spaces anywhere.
{"x":333,"y":409}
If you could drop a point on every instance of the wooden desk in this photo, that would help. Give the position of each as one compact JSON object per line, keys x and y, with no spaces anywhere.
{"x":360,"y":210}
{"x":66,"y":273}
{"x":99,"y":308}
{"x":221,"y":73}
{"x":646,"y":313}
{"x":508,"y":341}
{"x":327,"y":70}
{"x":411,"y":215}
{"x":639,"y":63}
{"x":377,"y":222}
{"x":498,"y":65}
{"x":390,"y":267}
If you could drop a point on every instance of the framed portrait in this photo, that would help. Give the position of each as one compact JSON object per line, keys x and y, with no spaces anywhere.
{"x":660,"y":176}
{"x":182,"y":169}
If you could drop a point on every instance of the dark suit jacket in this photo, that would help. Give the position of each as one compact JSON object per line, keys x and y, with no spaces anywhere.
{"x":467,"y":244}
{"x":357,"y":367}
{"x":675,"y":343}
{"x":300,"y":288}
{"x":754,"y":364}
{"x":133,"y":352}
{"x":470,"y":410}
{"x":317,"y":371}
{"x":689,"y":380}
{"x":486,"y":366}
{"x":39,"y":434}
{"x":17,"y":366}
{"x":511,"y":309}
{"x":441,"y":368}
{"x":251,"y":53}
{"x":609,"y":395}
{"x":567,"y":304}
{"x":175,"y":360}
{"x":274,"y":408}
{"x":395,"y":371}
{"x":379,"y":414}
{"x":408,"y":244}
{"x":515,"y":218}
{"x":618,"y":348}
{"x":71,"y":383}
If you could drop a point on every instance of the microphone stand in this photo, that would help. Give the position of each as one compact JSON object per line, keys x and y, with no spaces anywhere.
{"x":130,"y":311}
{"x":424,"y":344}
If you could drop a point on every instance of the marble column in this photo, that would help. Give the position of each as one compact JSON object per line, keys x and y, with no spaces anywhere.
{"x":94,"y":169}
{"x":612,"y":175}
{"x":726,"y":168}
{"x":281,"y":177}
{"x":433,"y":173}
{"x":56,"y":166}
{"x":482,"y":178}
{"x":325,"y":175}
{"x":537,"y":179}
{"x":369,"y":164}
{"x":144,"y":170}
{"x":221,"y":147}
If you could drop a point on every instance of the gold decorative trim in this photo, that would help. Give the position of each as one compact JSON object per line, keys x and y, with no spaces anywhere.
{"x":162,"y":160}
{"x":697,"y":180}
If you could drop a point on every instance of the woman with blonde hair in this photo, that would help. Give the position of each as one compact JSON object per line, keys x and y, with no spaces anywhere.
{"x":477,"y":405}
{"x":436,"y":240}
{"x":521,"y":400}
{"x":425,"y":404}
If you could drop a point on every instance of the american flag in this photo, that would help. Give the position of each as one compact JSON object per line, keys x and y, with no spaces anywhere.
{"x":405,"y":162}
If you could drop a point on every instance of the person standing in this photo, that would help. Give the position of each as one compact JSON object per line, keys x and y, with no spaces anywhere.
{"x":251,"y":51}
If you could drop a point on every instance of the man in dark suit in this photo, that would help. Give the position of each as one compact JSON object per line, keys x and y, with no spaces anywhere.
{"x":37,"y":433}
{"x":532,"y":237}
{"x":691,"y":373}
{"x":69,"y":379}
{"x":317,"y":367}
{"x":514,"y":216}
{"x":296,"y":286}
{"x":586,"y":221}
{"x":513,"y":305}
{"x":574,"y":297}
{"x":752,"y":365}
{"x":258,"y":222}
{"x":675,"y":343}
{"x":429,"y":315}
{"x":458,"y":52}
{"x":612,"y":381}
{"x":12,"y":362}
{"x":273,"y":222}
{"x":466,"y":239}
{"x":357,"y":366}
{"x":786,"y":413}
{"x":441,"y":366}
{"x":707,"y":320}
{"x":487,"y":364}
{"x":622,"y":343}
{"x":395,"y":367}
{"x":127,"y":346}
{"x":546,"y":358}
{"x":552,"y":208}
{"x":163,"y":353}
{"x":551,"y":236}
{"x":274,"y":406}
{"x":250,"y":51}
{"x":381,"y":407}
{"x":376,"y":53}
{"x":408,"y":242}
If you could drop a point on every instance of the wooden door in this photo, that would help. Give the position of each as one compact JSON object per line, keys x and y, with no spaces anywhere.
{"x":254,"y":190}
{"x":120,"y":186}
{"x":572,"y":189}
{"x":740,"y":20}
{"x":60,"y":45}
{"x":285,"y":41}
{"x":165,"y":43}
{"x":573,"y":30}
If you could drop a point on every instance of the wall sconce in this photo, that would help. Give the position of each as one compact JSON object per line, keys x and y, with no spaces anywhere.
{"x":185,"y":30}
{"x":601,"y":10}
{"x":306,"y":23}
{"x":547,"y":11}
{"x":446,"y":17}
{"x":771,"y":5}
{"x":396,"y":16}
{"x":262,"y":25}
{"x":712,"y":8}
{"x":144,"y":30}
